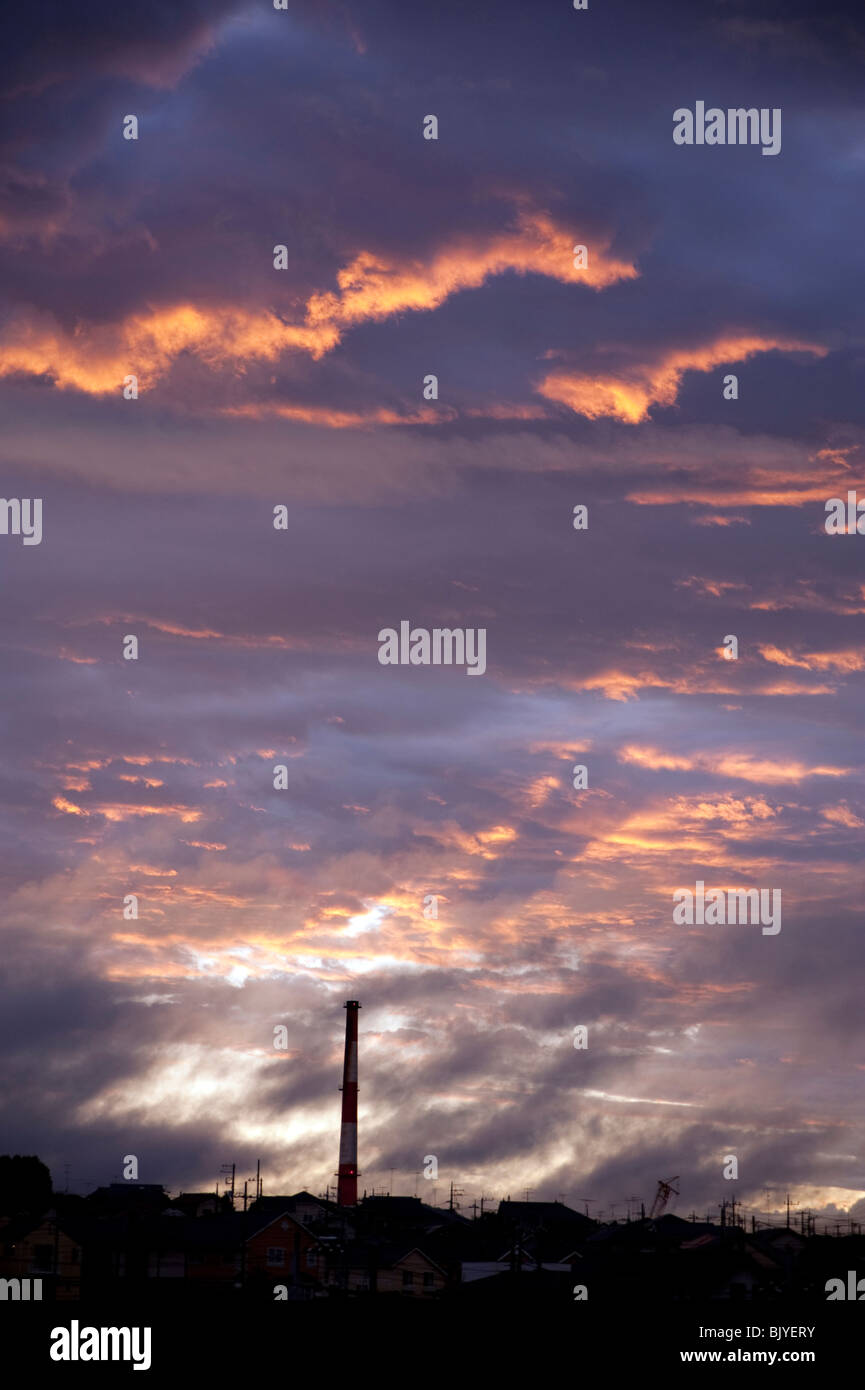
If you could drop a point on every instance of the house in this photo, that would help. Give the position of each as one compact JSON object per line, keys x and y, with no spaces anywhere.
{"x":280,"y":1250}
{"x":46,"y":1248}
{"x":413,"y":1274}
{"x":201,"y":1203}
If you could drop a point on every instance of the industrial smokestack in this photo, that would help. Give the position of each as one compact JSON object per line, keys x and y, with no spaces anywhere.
{"x":346,"y":1194}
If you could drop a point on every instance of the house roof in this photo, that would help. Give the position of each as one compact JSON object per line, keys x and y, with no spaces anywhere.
{"x":416,"y":1251}
{"x":289,"y":1203}
{"x":268,"y":1219}
{"x":409,"y":1211}
{"x":544,"y":1214}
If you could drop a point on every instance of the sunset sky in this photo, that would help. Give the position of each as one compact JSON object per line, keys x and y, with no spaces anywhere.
{"x":558,"y":386}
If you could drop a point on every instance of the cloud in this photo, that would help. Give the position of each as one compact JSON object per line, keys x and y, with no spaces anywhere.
{"x":745,"y":767}
{"x":95,"y":358}
{"x":846,"y":661}
{"x":630,"y":394}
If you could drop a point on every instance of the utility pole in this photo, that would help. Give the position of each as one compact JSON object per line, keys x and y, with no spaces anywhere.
{"x":225,"y":1168}
{"x":455,"y":1192}
{"x":529,"y":1191}
{"x":258,"y":1178}
{"x":788,"y":1211}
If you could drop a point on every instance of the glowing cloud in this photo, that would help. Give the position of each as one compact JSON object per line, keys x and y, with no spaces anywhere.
{"x":96,"y":358}
{"x":743,"y":766}
{"x":630,"y":394}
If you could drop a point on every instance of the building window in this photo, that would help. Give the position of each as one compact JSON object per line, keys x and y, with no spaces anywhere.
{"x":43,"y":1257}
{"x":276,"y":1255}
{"x":407,"y":1277}
{"x":428,"y":1280}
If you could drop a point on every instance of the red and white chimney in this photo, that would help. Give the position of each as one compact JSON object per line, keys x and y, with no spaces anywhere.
{"x":346,"y":1194}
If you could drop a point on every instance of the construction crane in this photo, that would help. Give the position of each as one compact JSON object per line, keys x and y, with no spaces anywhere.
{"x":662,"y":1196}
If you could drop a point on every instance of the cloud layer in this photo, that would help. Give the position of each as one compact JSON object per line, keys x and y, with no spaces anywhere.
{"x":558,"y":385}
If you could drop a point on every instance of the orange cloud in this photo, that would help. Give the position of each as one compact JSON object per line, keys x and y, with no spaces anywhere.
{"x":654,"y":758}
{"x":743,"y":766}
{"x":630,"y":394}
{"x":343,"y":419}
{"x":96,"y":357}
{"x":540,"y":791}
{"x":65,"y":655}
{"x":115,"y":811}
{"x":815,"y":661}
{"x":560,"y":748}
{"x":804,"y":595}
{"x":372,"y":288}
{"x":617,"y":684}
{"x":842,"y":815}
{"x":625,"y":685}
{"x":480,"y":843}
{"x":205,"y":634}
{"x":716,"y":587}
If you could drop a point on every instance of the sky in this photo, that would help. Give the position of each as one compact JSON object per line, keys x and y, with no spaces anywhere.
{"x":559,"y":385}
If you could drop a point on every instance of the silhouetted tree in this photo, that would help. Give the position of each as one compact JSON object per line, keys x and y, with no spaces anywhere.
{"x":25,"y":1185}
